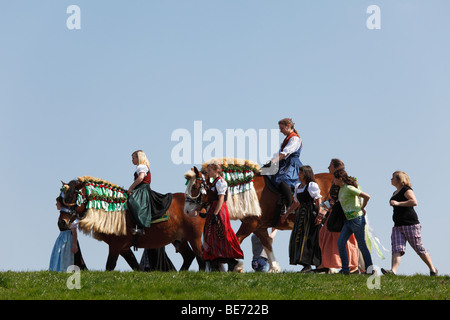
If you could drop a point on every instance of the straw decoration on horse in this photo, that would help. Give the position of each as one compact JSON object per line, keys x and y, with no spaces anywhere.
{"x":242,"y":199}
{"x":105,"y":208}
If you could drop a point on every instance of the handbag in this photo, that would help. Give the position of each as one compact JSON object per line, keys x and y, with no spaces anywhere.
{"x":336,"y":219}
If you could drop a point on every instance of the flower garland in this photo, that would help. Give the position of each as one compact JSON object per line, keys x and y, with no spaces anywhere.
{"x":238,"y":173}
{"x":234,"y":164}
{"x":103,"y":195}
{"x":238,"y":180}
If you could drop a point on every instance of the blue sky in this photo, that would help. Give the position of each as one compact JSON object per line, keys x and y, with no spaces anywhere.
{"x":79,"y":102}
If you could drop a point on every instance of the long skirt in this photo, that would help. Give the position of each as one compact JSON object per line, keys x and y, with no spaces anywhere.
{"x":304,"y":241}
{"x":288,"y":171}
{"x":219,"y":239}
{"x":62,"y":256}
{"x":156,"y":260}
{"x":140,"y":206}
{"x":330,"y":251}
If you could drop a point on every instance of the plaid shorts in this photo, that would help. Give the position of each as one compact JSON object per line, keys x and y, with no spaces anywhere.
{"x":401,"y":234}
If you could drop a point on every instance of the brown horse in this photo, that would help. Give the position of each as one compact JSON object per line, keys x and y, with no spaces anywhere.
{"x":268,"y":202}
{"x":179,"y":230}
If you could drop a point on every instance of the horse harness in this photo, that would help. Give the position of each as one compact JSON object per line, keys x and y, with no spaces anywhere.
{"x":198,"y":199}
{"x":71,"y":208}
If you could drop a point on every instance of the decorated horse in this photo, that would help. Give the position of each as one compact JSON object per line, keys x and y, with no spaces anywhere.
{"x":250,"y":199}
{"x":102,"y":210}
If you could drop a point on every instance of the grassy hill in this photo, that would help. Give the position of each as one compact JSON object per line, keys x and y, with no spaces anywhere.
{"x":96,"y":285}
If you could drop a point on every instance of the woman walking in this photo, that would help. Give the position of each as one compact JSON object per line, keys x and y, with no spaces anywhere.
{"x":66,"y":251}
{"x":406,"y":224}
{"x":331,"y":230}
{"x":355,"y":221}
{"x":304,"y":241}
{"x":220,"y":244}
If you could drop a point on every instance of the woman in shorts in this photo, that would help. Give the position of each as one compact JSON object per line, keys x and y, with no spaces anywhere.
{"x":406,"y":224}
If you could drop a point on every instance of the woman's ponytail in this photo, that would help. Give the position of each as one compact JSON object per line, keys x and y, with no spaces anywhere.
{"x":288,"y":122}
{"x":342,"y":174}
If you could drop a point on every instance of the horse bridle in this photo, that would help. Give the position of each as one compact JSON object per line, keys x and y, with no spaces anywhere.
{"x":198,"y":199}
{"x":71,"y":208}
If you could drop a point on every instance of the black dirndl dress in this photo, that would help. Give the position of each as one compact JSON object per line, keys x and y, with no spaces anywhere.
{"x":304,"y":241}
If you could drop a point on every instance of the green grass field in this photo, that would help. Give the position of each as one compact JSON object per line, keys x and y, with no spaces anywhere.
{"x":96,"y":285}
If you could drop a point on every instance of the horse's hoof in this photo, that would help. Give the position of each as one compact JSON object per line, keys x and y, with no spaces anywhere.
{"x":275,"y":267}
{"x":239,"y":268}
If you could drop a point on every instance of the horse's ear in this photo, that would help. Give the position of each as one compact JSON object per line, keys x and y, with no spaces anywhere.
{"x":196,"y":171}
{"x":63,"y":183}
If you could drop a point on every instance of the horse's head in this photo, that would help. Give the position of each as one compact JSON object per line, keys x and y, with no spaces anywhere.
{"x":196,"y":193}
{"x":69,"y":196}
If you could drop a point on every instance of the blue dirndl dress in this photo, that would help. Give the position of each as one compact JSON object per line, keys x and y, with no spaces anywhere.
{"x":288,"y":170}
{"x":62,"y":256}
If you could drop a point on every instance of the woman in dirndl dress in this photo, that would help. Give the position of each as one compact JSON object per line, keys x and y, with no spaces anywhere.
{"x":304,"y":241}
{"x":66,"y":251}
{"x":288,"y":160}
{"x":139,"y":197}
{"x":220,"y":244}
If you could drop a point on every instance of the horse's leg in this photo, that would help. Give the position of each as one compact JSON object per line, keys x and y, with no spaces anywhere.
{"x":112,"y":259}
{"x":130,"y":258}
{"x":117,"y":245}
{"x":187,"y":254}
{"x":266,"y":242}
{"x":196,"y":245}
{"x":248,"y":225}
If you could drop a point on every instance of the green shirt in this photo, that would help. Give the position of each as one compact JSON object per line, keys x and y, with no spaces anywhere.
{"x":350,"y":202}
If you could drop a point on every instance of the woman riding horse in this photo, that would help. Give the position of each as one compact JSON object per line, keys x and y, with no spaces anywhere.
{"x":288,"y":160}
{"x":139,"y":198}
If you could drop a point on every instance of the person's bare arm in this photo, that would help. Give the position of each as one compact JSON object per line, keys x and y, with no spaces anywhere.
{"x":366,"y":198}
{"x":411,"y":202}
{"x":136,"y":182}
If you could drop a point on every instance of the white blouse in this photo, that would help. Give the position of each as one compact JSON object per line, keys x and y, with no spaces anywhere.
{"x":313,"y":189}
{"x":141,"y":168}
{"x":293,"y":145}
{"x":74,"y":224}
{"x":221,"y":186}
